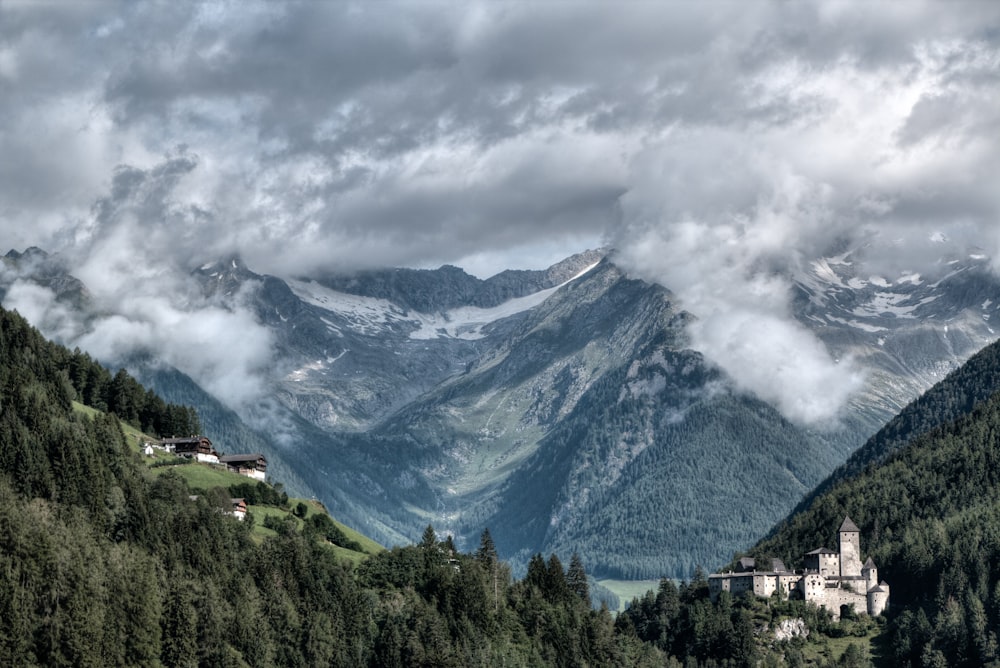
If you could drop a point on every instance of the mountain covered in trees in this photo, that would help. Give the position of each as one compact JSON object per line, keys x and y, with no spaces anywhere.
{"x":924,"y":493}
{"x":103,"y":563}
{"x":565,"y":409}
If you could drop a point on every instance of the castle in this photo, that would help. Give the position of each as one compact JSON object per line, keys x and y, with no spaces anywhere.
{"x":832,"y":580}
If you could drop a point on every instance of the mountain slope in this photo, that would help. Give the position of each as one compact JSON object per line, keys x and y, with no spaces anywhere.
{"x":927,"y":504}
{"x":564,"y":408}
{"x":952,"y":398}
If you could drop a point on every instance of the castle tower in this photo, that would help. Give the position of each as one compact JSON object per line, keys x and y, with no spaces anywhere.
{"x":870,"y":573}
{"x":878,"y":599}
{"x":850,"y":549}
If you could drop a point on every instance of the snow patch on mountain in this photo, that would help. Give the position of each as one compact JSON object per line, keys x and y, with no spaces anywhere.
{"x":372,"y":315}
{"x":365,"y":315}
{"x":887,"y":303}
{"x":467,"y":322}
{"x":823,"y":271}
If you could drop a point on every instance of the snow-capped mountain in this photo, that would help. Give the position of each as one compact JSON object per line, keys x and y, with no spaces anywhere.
{"x":565,"y":409}
{"x":907,"y":331}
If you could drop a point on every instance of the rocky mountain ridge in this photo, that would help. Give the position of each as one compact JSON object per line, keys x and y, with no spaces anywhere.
{"x":565,"y":409}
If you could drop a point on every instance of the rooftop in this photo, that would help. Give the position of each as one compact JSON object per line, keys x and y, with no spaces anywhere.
{"x":849,"y":526}
{"x":235,"y":459}
{"x":822,"y":550}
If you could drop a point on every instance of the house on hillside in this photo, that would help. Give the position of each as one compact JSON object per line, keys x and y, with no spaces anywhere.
{"x":835,"y":580}
{"x":251,"y":465}
{"x":197,"y":447}
{"x":239,"y":509}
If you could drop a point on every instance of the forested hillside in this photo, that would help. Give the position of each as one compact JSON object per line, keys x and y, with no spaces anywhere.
{"x":929,"y":512}
{"x":964,"y":388}
{"x":104,"y":564}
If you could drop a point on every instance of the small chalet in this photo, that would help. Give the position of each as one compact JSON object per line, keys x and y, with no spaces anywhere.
{"x":198,"y":447}
{"x":251,"y":465}
{"x":239,"y":509}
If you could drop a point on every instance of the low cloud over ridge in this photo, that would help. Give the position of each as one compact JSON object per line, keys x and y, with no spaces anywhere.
{"x":709,"y":142}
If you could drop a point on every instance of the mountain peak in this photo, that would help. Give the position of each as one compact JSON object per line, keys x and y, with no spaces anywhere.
{"x":225,"y":276}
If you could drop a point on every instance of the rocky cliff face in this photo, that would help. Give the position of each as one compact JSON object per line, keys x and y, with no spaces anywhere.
{"x":565,"y":408}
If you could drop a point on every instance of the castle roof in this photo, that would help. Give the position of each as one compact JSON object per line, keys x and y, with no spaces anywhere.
{"x":868,"y":564}
{"x":731,"y":574}
{"x":849,"y":525}
{"x":821,"y":550}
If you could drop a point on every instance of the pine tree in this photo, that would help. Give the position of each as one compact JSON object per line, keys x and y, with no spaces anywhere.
{"x":487,"y":552}
{"x":487,"y":556}
{"x":576,"y":578}
{"x":556,"y":590}
{"x":537,"y":576}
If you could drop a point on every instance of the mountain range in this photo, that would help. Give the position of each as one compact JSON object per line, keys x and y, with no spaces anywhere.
{"x":564,"y":409}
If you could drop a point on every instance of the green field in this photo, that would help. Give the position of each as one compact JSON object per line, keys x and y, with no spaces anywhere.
{"x":200,"y":476}
{"x":260,"y":532}
{"x":207,"y":476}
{"x":133,"y":436}
{"x":626,"y":590}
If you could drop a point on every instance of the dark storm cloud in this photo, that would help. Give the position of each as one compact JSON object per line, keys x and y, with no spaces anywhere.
{"x":706,"y":140}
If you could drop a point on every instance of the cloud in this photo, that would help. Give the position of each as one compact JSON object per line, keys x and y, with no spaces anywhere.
{"x":882,"y":149}
{"x":40,"y":307}
{"x":308,"y":136}
{"x":135,"y":255}
{"x":721,"y":263}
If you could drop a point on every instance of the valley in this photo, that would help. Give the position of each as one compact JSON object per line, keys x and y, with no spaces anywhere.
{"x":564,"y":409}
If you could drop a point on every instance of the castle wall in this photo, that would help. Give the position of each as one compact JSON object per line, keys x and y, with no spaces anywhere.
{"x":765,"y":584}
{"x":734,"y":583}
{"x":825,"y":592}
{"x":789,"y":585}
{"x":832,"y":598}
{"x":829,"y":564}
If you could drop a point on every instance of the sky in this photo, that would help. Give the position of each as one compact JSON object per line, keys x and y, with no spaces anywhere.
{"x":708,"y":142}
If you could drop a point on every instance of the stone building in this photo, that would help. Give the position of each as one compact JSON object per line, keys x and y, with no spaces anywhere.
{"x":833,"y":580}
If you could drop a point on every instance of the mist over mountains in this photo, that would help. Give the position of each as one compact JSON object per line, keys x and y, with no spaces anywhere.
{"x":568,"y":409}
